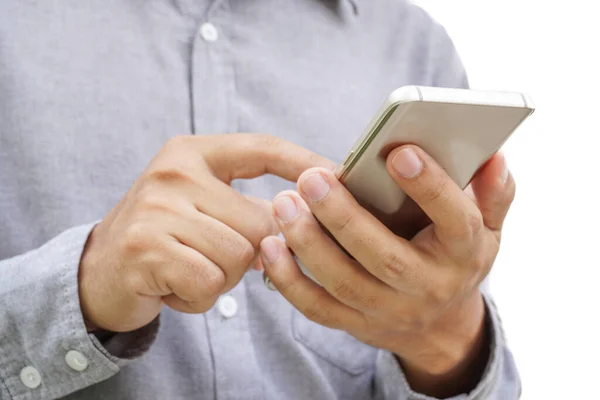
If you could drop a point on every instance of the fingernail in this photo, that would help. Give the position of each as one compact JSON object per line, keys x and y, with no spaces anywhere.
{"x":285,"y":208}
{"x":407,"y":163}
{"x":269,"y":250}
{"x":315,"y":187}
{"x":504,"y":176}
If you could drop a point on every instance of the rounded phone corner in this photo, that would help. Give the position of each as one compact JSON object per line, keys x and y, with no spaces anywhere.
{"x":404,"y":94}
{"x":528,"y":102}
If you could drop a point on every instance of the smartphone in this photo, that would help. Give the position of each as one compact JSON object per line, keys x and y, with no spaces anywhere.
{"x":459,"y":128}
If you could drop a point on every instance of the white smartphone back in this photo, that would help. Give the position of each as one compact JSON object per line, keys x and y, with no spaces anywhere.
{"x":461,"y":129}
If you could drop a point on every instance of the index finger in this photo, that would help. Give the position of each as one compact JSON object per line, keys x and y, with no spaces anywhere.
{"x":390,"y":258}
{"x":246,"y":156}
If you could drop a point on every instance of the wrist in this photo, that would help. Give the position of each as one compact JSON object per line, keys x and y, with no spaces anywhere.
{"x":450,"y":357}
{"x":88,"y":281}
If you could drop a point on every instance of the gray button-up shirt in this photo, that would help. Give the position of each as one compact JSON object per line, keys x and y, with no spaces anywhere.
{"x":89,"y":92}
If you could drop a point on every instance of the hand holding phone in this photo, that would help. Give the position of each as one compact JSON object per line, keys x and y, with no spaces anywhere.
{"x":460,"y":129}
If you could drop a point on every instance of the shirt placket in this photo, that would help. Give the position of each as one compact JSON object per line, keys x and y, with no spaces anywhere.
{"x":212,"y":73}
{"x":237,"y":373}
{"x":212,"y":81}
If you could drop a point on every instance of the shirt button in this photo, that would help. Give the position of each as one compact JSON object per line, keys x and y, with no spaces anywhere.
{"x":209,"y":32}
{"x":30,"y":377}
{"x":227,"y":306}
{"x":76,"y":361}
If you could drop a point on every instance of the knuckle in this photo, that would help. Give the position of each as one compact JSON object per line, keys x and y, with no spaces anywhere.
{"x":238,"y":250}
{"x":173,"y":172}
{"x":343,"y":220}
{"x":134,"y":283}
{"x":473,"y":221}
{"x":213,"y":284}
{"x":196,"y":279}
{"x":136,"y":239}
{"x":370,"y":303}
{"x":282,"y":281}
{"x":302,"y":235}
{"x":319,"y":313}
{"x":313,"y":314}
{"x":468,"y":226}
{"x":319,"y":316}
{"x":150,"y":201}
{"x":265,"y":140}
{"x":199,"y":307}
{"x":345,"y":290}
{"x":489,"y":209}
{"x":435,"y":193}
{"x":442,"y":295}
{"x":265,"y":226}
{"x":393,"y":267}
{"x":245,"y":252}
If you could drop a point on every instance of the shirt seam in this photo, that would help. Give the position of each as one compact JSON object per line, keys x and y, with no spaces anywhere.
{"x":6,"y":388}
{"x":5,"y":355}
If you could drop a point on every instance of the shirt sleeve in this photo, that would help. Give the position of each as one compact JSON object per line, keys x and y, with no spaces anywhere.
{"x":45,"y":349}
{"x":500,"y":380}
{"x":446,"y":66}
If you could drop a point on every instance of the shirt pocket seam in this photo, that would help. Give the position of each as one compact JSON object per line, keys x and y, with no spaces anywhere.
{"x":302,"y":333}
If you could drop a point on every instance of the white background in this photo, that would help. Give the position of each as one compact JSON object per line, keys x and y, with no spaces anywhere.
{"x":546,"y":277}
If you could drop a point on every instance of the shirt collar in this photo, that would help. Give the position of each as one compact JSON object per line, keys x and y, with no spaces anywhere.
{"x":355,"y":5}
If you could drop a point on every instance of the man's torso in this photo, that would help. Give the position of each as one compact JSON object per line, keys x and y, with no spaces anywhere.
{"x":91,"y":91}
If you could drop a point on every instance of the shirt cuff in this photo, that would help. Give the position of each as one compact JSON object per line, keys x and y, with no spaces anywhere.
{"x":41,"y":322}
{"x":500,"y":380}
